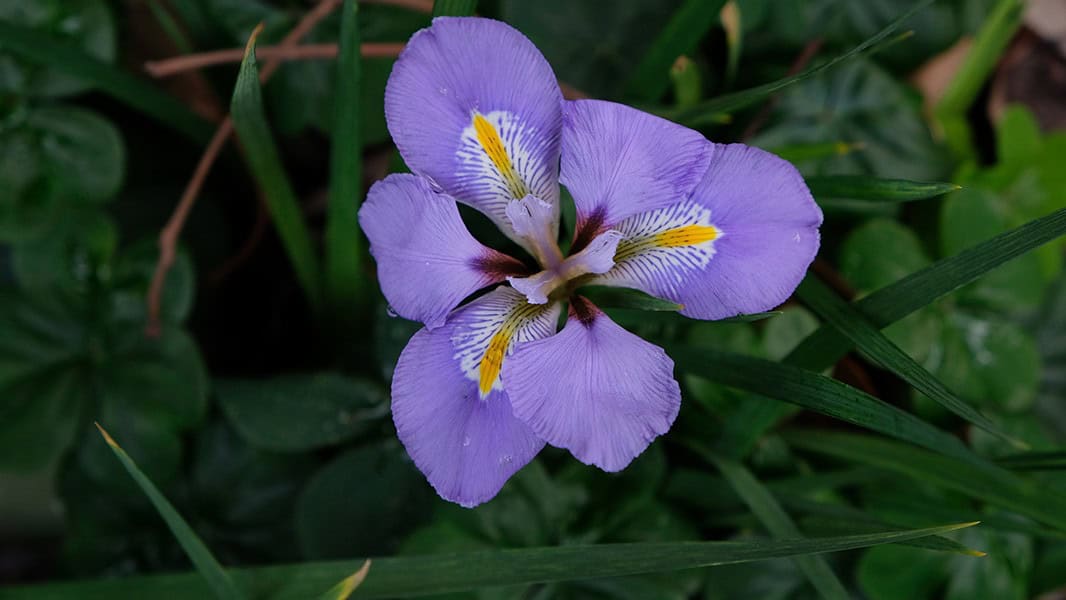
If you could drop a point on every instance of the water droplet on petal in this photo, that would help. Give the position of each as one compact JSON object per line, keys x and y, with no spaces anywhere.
{"x":466,"y":441}
{"x":389,"y":311}
{"x":506,"y":459}
{"x":443,"y":91}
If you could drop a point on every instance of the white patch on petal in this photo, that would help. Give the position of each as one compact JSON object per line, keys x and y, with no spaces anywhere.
{"x":663,"y":245}
{"x":498,"y":175}
{"x":490,"y":329}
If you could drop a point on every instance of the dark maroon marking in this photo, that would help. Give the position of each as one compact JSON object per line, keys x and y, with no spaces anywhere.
{"x":583,"y":310}
{"x":587,"y":230}
{"x":500,"y":266}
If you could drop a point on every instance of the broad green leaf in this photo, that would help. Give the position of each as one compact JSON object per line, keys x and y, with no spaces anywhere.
{"x":435,"y":574}
{"x":296,"y":413}
{"x":129,"y":89}
{"x":815,"y":392}
{"x":882,"y":351}
{"x":361,"y":504}
{"x":345,"y":251}
{"x":686,"y":27}
{"x":1002,"y":575}
{"x":614,"y":297}
{"x":780,"y":525}
{"x":893,"y":572}
{"x":86,"y":24}
{"x":737,"y":100}
{"x":80,"y":149}
{"x":861,"y":103}
{"x":222,"y":586}
{"x":454,"y":8}
{"x":984,"y":483}
{"x":857,"y":187}
{"x":249,"y":120}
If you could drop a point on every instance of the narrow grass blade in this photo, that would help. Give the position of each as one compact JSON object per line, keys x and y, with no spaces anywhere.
{"x":217,"y":579}
{"x":738,"y":100}
{"x":855,"y":187}
{"x":1035,"y":461}
{"x":460,"y":572}
{"x":878,"y":348}
{"x":819,"y":393}
{"x":825,"y":346}
{"x":995,"y":486}
{"x":801,"y":152}
{"x":686,"y":27}
{"x":983,"y":56}
{"x":249,"y":119}
{"x":124,"y":87}
{"x":344,"y":589}
{"x":750,"y":318}
{"x":778,"y":523}
{"x":454,"y":8}
{"x":345,"y":249}
{"x":612,"y":297}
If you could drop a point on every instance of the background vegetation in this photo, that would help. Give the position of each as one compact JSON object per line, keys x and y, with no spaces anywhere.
{"x":917,"y":379}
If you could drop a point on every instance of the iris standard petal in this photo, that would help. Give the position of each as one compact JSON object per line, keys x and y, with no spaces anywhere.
{"x":618,"y":161}
{"x":473,"y":105}
{"x":450,"y":410}
{"x":740,"y":244}
{"x":594,"y":388}
{"x":427,"y":260}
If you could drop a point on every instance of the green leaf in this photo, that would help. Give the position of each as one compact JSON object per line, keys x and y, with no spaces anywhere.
{"x":124,"y":87}
{"x":995,"y":486}
{"x":250,"y":122}
{"x":296,"y":413}
{"x":752,"y":317}
{"x":892,"y":572}
{"x":778,"y":523}
{"x":848,"y":321}
{"x":782,"y":334}
{"x":615,"y":297}
{"x":436,"y":574}
{"x":1002,"y":575}
{"x":345,"y":251}
{"x":344,"y":589}
{"x":815,"y":392}
{"x":86,"y":24}
{"x":217,"y":579}
{"x":454,"y":8}
{"x":80,"y":149}
{"x":857,"y":187}
{"x":687,"y":26}
{"x":862,"y":103}
{"x":738,"y":100}
{"x":361,"y":504}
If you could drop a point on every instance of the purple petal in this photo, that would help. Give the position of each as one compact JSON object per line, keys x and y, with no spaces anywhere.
{"x":740,"y":244}
{"x":473,"y":105}
{"x":594,"y":388}
{"x":427,"y":260}
{"x":454,"y":421}
{"x":618,"y":161}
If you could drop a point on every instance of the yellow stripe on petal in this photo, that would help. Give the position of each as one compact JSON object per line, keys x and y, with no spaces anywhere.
{"x":493,"y":360}
{"x":687,"y":235}
{"x":493,"y":146}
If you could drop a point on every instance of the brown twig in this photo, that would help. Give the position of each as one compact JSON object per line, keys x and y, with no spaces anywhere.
{"x":422,"y":6}
{"x":168,"y":237}
{"x":805,"y":56}
{"x":180,"y":64}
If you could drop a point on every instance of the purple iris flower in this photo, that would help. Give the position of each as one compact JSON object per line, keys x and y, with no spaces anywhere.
{"x":477,"y":114}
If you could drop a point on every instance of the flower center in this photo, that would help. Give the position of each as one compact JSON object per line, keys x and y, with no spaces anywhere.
{"x":597,"y":258}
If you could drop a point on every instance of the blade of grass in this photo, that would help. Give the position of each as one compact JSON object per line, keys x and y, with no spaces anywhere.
{"x":344,"y":589}
{"x":816,"y":392}
{"x":1035,"y":461}
{"x":878,"y":348}
{"x":124,"y":87}
{"x":738,"y":100}
{"x":826,"y":346}
{"x":459,"y":572}
{"x":454,"y":8}
{"x":613,"y":297}
{"x":983,"y":56}
{"x":249,"y":119}
{"x":217,"y":579}
{"x":686,"y":27}
{"x":777,"y":522}
{"x":345,"y":249}
{"x":855,"y":187}
{"x":995,"y":486}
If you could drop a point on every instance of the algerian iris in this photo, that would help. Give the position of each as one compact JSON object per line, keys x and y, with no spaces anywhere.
{"x":477,"y":114}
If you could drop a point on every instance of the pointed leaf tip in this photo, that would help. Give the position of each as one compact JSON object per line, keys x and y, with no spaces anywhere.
{"x":107,"y":437}
{"x":349,"y":584}
{"x":249,"y":48}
